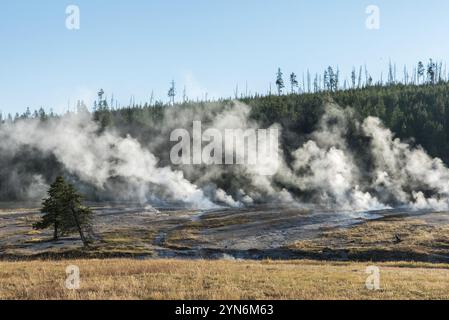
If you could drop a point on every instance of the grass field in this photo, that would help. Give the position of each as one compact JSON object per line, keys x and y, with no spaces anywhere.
{"x":223,"y":279}
{"x":325,"y":260}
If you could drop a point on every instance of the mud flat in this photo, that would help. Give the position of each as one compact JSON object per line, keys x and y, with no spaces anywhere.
{"x":265,"y":232}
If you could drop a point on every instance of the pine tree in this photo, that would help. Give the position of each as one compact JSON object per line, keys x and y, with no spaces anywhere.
{"x":420,"y":71}
{"x":64,"y":212}
{"x":326,"y":80}
{"x":332,"y":79}
{"x":77,"y":217}
{"x":279,"y":81}
{"x":293,"y":82}
{"x":353,"y":78}
{"x":100,"y":98}
{"x":172,"y":93}
{"x":52,"y":208}
{"x":431,"y":71}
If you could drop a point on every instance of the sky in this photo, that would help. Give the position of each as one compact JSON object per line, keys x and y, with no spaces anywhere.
{"x":136,"y":47}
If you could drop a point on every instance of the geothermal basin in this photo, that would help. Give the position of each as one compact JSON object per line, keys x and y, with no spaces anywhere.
{"x":259,"y":232}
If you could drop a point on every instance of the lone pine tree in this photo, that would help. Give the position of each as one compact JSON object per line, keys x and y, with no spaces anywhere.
{"x":52,"y":209}
{"x":279,"y":81}
{"x":64,"y":212}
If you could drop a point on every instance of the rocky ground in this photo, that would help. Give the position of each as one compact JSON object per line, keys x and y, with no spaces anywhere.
{"x":274,"y":232}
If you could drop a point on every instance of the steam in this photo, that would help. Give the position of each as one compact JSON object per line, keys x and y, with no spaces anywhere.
{"x":326,"y":166}
{"x":345,"y":164}
{"x":407,"y":174}
{"x":97,"y":158}
{"x":337,"y":176}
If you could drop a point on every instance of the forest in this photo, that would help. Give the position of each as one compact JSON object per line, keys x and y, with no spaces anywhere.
{"x":415,"y":108}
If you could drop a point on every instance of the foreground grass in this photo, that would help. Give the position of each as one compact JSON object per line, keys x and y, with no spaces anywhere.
{"x":175,"y":279}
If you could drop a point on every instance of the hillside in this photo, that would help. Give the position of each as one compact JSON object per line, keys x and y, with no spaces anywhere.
{"x":415,"y":114}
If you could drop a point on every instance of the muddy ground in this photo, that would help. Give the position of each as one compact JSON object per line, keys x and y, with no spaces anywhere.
{"x":267,"y":232}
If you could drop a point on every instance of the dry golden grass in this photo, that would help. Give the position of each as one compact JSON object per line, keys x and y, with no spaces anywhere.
{"x":176,"y":279}
{"x":376,"y":240}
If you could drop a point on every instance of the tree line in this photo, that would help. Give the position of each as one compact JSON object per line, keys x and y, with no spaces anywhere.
{"x":330,"y":80}
{"x":423,"y":73}
{"x":415,"y":106}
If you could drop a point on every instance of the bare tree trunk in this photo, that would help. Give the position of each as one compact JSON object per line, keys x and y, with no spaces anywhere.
{"x":55,"y":232}
{"x":78,"y":226}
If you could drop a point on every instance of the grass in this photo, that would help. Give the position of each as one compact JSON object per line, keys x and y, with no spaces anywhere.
{"x":222,"y":279}
{"x":416,"y":270}
{"x":376,"y":240}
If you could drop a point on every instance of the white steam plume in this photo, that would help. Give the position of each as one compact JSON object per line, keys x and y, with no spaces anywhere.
{"x":327,"y":170}
{"x":96,"y":158}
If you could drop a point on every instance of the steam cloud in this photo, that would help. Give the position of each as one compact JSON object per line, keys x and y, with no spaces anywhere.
{"x":96,"y":158}
{"x":344,"y":164}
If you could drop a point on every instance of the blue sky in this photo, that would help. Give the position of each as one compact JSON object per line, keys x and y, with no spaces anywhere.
{"x":131,"y":48}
